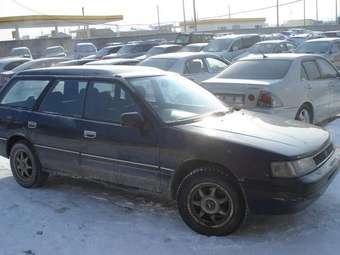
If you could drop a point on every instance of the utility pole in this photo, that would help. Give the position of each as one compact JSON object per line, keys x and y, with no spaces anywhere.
{"x":229,"y":13}
{"x":159,"y":23}
{"x":195,"y":17}
{"x":184,"y":19}
{"x":317,"y":11}
{"x":304,"y":13}
{"x":336,"y":12}
{"x":277,"y":14}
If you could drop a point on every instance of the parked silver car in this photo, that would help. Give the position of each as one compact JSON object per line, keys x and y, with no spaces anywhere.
{"x":327,"y":47}
{"x":84,"y":49}
{"x":196,"y":66}
{"x":230,"y":46}
{"x":295,"y":86}
{"x":23,"y":52}
{"x":266,"y":47}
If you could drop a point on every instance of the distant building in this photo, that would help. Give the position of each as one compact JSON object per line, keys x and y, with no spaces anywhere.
{"x":93,"y":33}
{"x":223,"y":24}
{"x":300,"y":22}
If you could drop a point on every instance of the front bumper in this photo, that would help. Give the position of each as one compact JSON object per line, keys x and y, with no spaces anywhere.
{"x":282,"y":196}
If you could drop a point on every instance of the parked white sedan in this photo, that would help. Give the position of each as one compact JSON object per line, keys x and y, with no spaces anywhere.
{"x":295,"y":86}
{"x":196,"y":66}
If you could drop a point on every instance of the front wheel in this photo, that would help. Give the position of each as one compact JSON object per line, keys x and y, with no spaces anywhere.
{"x":26,"y":166}
{"x":210,"y":203}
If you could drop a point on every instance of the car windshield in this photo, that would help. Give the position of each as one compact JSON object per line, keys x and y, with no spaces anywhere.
{"x":86,"y":48}
{"x":132,"y":48}
{"x":266,"y":69}
{"x":161,"y":63}
{"x":314,"y":47}
{"x":182,"y":39}
{"x":19,"y":52}
{"x":174,"y":98}
{"x":262,"y":48}
{"x":54,"y":50}
{"x":155,"y":51}
{"x":218,"y":45}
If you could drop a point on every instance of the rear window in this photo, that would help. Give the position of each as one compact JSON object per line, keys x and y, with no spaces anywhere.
{"x":314,"y":47}
{"x":23,"y":93}
{"x":257,"y":70}
{"x":161,"y":63}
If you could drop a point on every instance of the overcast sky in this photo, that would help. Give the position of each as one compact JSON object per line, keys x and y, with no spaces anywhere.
{"x":144,"y":11}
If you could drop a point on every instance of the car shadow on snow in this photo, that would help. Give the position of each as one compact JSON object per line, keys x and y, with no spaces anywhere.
{"x":323,"y":214}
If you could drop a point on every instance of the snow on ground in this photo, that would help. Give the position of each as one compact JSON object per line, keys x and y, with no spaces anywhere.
{"x":77,"y":217}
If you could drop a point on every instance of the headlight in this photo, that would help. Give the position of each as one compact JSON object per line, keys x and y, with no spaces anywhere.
{"x":291,"y":169}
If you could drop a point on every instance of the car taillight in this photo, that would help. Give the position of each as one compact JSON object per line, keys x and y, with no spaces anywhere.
{"x":267,"y":99}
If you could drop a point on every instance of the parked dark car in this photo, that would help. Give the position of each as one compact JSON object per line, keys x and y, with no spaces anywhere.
{"x":37,"y":63}
{"x":197,"y":37}
{"x":55,"y":51}
{"x":132,"y":50}
{"x":23,"y":52}
{"x":147,"y":129}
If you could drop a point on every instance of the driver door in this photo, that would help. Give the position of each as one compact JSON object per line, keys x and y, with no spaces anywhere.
{"x":110,"y":151}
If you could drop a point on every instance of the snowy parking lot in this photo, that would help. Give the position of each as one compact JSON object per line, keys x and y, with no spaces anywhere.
{"x":77,"y":217}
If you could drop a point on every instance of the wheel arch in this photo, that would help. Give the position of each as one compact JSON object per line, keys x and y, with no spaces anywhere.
{"x":13,"y":140}
{"x":311,"y":108}
{"x":187,"y":167}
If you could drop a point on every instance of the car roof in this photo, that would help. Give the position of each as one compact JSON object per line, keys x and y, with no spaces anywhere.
{"x":167,"y":45}
{"x":326,"y":39}
{"x":179,"y":55}
{"x":84,"y":43}
{"x":100,"y":71}
{"x":55,"y":47}
{"x":20,"y":48}
{"x":279,"y":56}
{"x":113,"y":61}
{"x":234,"y":36}
{"x":12,"y":59}
{"x":197,"y":44}
{"x":272,"y":41}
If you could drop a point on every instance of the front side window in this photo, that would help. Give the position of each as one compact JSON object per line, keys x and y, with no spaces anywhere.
{"x":312,"y":70}
{"x":194,"y":66}
{"x":176,"y":98}
{"x":216,"y":65}
{"x":24,"y":93}
{"x":327,"y":70}
{"x":65,"y":98}
{"x":107,"y":101}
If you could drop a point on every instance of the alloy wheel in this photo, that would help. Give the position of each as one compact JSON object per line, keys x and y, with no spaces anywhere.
{"x":210,"y":204}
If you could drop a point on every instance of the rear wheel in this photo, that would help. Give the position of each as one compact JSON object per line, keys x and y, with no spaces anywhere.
{"x":26,"y":166}
{"x":304,"y":114}
{"x":210,"y":203}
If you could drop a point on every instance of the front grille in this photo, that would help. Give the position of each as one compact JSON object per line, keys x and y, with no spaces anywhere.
{"x":322,"y":156}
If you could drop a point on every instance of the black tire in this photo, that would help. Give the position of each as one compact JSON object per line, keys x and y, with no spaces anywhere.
{"x":226,"y":189}
{"x":305,"y":108}
{"x":29,"y":174}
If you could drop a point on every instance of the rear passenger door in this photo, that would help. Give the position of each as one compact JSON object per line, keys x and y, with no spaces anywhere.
{"x":55,"y":126}
{"x":317,"y":90}
{"x":112,"y":152}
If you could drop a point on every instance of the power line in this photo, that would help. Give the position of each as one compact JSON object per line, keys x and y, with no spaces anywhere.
{"x":171,"y":22}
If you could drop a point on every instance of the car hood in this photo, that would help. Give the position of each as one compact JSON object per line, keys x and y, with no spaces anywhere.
{"x":288,"y":138}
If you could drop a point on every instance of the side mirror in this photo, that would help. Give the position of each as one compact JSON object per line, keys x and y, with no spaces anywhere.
{"x":132,"y":119}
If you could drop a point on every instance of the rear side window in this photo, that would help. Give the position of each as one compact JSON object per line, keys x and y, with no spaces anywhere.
{"x":312,"y":70}
{"x":65,"y":98}
{"x":107,"y":102}
{"x":24,"y":93}
{"x":216,"y":65}
{"x":327,"y":70}
{"x":194,"y":66}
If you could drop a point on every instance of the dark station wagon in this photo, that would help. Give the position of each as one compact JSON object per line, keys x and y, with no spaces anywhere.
{"x":143,"y":128}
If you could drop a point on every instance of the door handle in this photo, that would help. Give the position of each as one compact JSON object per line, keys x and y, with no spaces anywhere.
{"x":31,"y":124}
{"x":90,"y":134}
